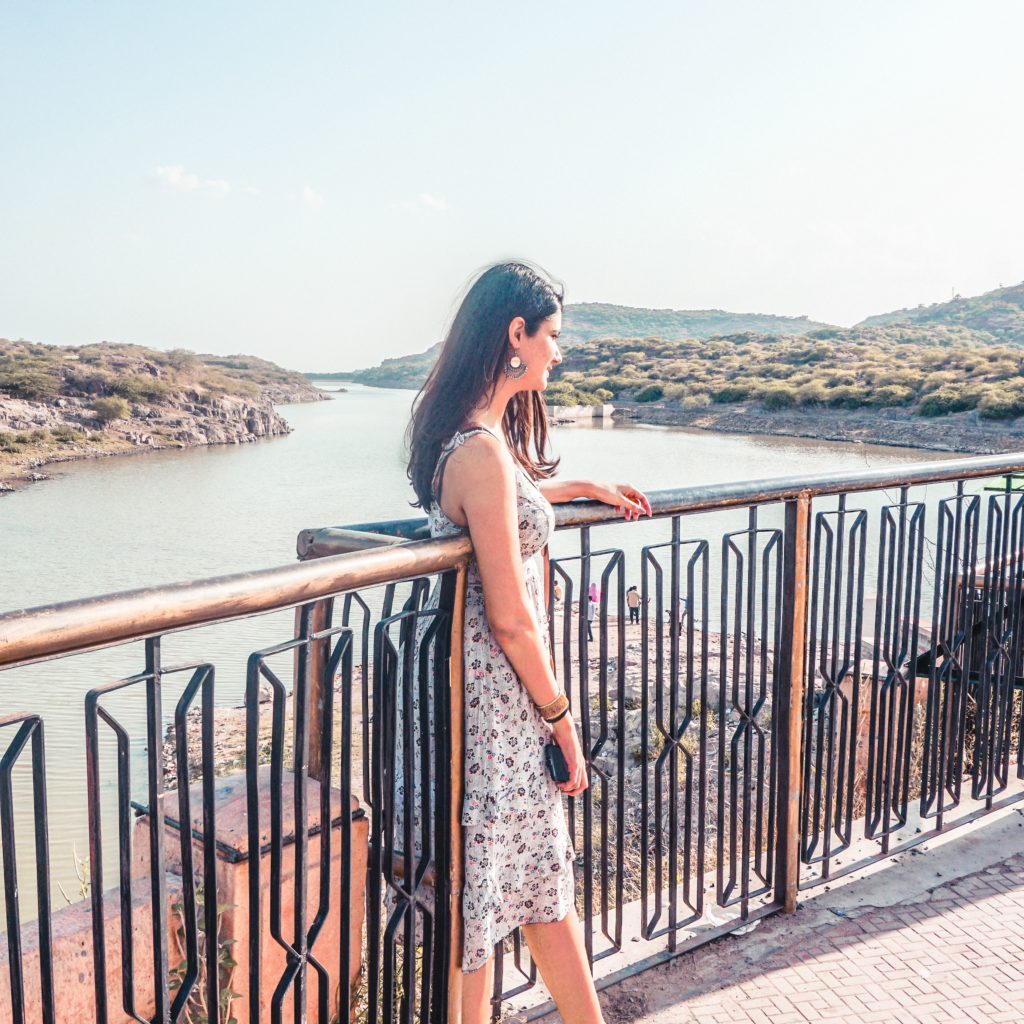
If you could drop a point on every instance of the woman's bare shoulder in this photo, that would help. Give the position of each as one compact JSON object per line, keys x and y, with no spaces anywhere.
{"x":481,"y":464}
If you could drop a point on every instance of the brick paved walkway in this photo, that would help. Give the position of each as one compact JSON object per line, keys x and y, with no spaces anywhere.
{"x":954,"y":952}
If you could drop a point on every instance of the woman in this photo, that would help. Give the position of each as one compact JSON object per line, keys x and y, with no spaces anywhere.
{"x":479,"y":462}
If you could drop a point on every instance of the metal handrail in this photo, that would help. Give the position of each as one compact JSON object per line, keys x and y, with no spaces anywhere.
{"x":38,"y":634}
{"x":330,"y":566}
{"x":330,"y":540}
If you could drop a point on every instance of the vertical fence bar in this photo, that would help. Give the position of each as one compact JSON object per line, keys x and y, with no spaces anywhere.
{"x":158,"y":887}
{"x":791,"y":693}
{"x":457,"y":718}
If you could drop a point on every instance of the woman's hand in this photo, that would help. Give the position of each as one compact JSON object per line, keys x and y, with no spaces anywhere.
{"x":629,"y":500}
{"x":564,"y":732}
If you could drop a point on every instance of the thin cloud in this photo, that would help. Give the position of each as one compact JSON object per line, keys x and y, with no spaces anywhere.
{"x":424,"y":201}
{"x":176,"y":177}
{"x":312,"y":198}
{"x":432,"y":202}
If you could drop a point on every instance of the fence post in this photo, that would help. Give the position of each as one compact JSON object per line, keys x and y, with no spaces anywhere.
{"x":790,"y":704}
{"x":314,"y":662}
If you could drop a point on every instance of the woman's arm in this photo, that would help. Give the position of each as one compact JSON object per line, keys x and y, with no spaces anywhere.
{"x":556,"y":489}
{"x":629,"y":500}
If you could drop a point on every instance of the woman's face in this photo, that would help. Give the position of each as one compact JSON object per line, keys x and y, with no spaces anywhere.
{"x":540,"y":353}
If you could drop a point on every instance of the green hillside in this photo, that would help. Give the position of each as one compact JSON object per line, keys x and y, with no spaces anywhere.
{"x":999,"y":313}
{"x":583,"y":321}
{"x":930,"y":369}
{"x":400,"y":372}
{"x":38,"y":372}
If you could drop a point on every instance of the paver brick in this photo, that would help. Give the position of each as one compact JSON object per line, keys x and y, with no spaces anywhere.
{"x":956,"y":955}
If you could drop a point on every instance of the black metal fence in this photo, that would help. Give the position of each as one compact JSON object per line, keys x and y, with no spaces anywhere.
{"x":824,"y":672}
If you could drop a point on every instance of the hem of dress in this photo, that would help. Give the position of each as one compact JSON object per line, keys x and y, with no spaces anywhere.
{"x":518,"y":924}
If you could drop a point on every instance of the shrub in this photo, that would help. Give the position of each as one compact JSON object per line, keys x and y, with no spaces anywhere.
{"x":139,"y":389}
{"x":1000,"y":404}
{"x":847,"y":396}
{"x":946,"y":400}
{"x":66,"y":434}
{"x":778,"y":396}
{"x":29,"y":383}
{"x":181,"y":359}
{"x":651,"y":393}
{"x":813,"y":392}
{"x":731,"y":393}
{"x":698,"y":400}
{"x":111,"y":408}
{"x":40,"y":435}
{"x":85,"y":381}
{"x":891,"y":394}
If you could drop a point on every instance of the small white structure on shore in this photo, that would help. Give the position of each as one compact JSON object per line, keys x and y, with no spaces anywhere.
{"x":580,"y":413}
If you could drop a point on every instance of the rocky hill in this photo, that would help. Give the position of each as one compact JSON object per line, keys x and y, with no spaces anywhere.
{"x":60,"y":403}
{"x":584,"y":321}
{"x":999,"y":313}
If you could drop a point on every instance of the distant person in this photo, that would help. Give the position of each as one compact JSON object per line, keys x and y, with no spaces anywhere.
{"x":595,"y":592}
{"x":633,"y":603}
{"x":557,"y":591}
{"x":480,"y":466}
{"x":684,"y":610}
{"x":591,"y":611}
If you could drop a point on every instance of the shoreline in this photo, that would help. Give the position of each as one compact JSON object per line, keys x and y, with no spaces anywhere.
{"x":962,"y":432}
{"x":229,"y":420}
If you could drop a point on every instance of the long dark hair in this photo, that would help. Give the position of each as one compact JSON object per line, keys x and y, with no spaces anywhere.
{"x":469,"y":367}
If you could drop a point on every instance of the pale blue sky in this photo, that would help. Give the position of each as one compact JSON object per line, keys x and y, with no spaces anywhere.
{"x":314,"y":182}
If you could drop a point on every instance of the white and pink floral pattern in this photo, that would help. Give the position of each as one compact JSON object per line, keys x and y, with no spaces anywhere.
{"x":518,"y":855}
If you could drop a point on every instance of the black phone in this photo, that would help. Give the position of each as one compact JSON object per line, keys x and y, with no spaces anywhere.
{"x":555,"y":760}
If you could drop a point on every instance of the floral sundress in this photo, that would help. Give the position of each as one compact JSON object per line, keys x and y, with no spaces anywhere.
{"x":518,"y":856}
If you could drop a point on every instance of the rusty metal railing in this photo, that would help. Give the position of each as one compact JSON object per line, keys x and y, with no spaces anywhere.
{"x":821,"y":675}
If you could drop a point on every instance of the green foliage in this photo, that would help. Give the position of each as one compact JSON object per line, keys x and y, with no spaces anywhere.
{"x":698,"y":400}
{"x":778,"y":396}
{"x":195,"y":1009}
{"x":813,"y":392}
{"x":999,"y":314}
{"x":947,"y":399}
{"x":42,"y":373}
{"x":651,"y":393}
{"x":32,"y":382}
{"x":114,"y":407}
{"x":847,"y":396}
{"x":1001,"y":404}
{"x":137,"y":388}
{"x":932,"y":369}
{"x":730,"y":393}
{"x":892,"y":395}
{"x":66,"y":434}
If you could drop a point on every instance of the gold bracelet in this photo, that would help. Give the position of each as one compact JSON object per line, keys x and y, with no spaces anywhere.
{"x":554,"y":708}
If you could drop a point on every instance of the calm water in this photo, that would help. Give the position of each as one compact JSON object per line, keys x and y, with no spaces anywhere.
{"x":112,"y":524}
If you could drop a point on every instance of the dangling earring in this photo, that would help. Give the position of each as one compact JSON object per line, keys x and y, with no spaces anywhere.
{"x":514,"y":367}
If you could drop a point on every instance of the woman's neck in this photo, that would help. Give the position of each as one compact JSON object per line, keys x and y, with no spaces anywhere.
{"x":492,"y":414}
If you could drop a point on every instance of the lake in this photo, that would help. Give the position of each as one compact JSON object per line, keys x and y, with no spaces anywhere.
{"x":111,"y":524}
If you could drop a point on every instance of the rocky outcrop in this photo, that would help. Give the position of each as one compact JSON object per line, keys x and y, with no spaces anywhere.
{"x":66,"y":428}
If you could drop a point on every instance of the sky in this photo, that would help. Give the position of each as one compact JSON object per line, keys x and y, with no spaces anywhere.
{"x":315,"y":183}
